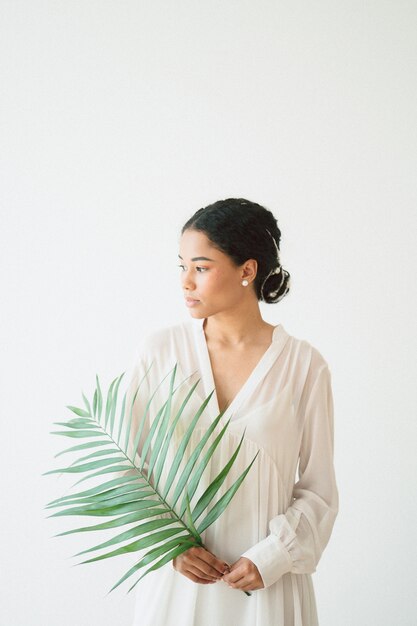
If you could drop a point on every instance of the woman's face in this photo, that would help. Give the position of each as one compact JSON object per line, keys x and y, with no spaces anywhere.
{"x":208,"y":277}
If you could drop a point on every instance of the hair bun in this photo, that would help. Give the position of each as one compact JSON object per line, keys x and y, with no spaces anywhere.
{"x":276,"y":285}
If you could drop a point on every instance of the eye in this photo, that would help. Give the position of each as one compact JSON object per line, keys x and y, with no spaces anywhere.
{"x":197,"y":268}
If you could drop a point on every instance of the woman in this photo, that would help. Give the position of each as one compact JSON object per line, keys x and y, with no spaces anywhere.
{"x":277,"y":389}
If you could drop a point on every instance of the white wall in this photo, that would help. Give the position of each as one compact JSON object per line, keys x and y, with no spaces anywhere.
{"x":119,"y":120}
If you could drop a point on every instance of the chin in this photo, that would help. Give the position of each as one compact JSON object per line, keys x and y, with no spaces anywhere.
{"x":196,"y":314}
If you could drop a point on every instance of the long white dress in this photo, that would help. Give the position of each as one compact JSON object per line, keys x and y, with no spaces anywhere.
{"x":283,"y":513}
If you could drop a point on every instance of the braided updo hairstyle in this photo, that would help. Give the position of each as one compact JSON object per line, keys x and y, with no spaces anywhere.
{"x":246,"y":230}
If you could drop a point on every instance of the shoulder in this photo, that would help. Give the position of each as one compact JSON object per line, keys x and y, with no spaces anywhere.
{"x":162,"y":342}
{"x":308,"y":361}
{"x":310,"y":372}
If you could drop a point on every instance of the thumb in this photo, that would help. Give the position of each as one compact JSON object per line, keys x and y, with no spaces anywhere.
{"x":234,"y":565}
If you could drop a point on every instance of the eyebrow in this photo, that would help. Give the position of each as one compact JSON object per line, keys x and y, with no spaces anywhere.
{"x":198,"y":258}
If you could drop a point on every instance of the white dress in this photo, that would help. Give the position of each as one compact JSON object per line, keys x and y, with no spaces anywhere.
{"x":283,"y":513}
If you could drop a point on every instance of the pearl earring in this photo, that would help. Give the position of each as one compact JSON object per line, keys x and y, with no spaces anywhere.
{"x":245,"y":283}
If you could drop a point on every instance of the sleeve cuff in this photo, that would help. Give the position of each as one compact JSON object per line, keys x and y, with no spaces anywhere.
{"x":271,"y":558}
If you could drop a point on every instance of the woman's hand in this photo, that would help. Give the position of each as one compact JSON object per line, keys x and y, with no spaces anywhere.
{"x":200,"y":565}
{"x":244,"y":575}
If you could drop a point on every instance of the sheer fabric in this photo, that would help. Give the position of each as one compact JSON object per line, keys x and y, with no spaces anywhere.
{"x":283,"y":513}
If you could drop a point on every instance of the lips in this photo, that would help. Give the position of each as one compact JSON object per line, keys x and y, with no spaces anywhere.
{"x":191,"y":300}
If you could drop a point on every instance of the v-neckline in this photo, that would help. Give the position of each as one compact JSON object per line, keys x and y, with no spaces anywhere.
{"x":279,"y":336}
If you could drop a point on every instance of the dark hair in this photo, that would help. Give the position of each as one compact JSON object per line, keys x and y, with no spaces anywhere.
{"x":239,"y":228}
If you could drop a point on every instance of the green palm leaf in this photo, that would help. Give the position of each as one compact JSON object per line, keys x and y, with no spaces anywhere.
{"x":158,"y":514}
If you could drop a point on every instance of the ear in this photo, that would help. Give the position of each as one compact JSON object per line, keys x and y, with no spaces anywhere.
{"x":249,"y":269}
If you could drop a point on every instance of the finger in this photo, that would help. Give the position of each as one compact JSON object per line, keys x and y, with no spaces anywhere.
{"x":207,"y":562}
{"x":200,"y":574}
{"x":234,"y":576}
{"x":247,"y":587}
{"x":244,"y":584}
{"x":212,"y":560}
{"x":198,"y":566}
{"x":251,"y":586}
{"x":199,"y":580}
{"x":211,"y":570}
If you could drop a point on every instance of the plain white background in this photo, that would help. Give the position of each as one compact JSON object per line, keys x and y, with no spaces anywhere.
{"x":118,"y":121}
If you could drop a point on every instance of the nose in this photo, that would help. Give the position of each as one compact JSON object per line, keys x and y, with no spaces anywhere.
{"x":186,"y":281}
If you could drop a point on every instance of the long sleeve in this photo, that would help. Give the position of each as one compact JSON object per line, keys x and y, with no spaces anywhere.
{"x":298,"y":537}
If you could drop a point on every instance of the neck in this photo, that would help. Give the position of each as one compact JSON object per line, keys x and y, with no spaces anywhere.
{"x":234,"y":330}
